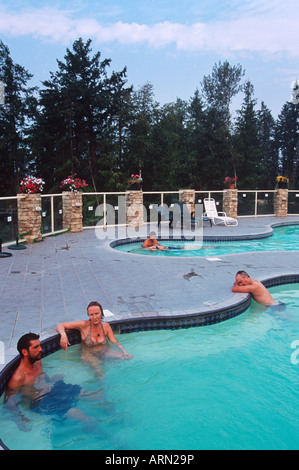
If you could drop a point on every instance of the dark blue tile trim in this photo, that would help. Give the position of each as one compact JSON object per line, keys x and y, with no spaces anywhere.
{"x":180,"y":321}
{"x":3,"y":446}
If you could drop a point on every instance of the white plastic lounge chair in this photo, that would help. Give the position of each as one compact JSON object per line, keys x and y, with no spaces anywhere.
{"x":217,"y":217}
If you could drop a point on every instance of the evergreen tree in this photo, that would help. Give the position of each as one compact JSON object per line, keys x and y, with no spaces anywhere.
{"x":198,"y":143}
{"x":79,"y":107}
{"x":87,"y":121}
{"x":250,"y":170}
{"x":268,"y":146}
{"x":15,"y":118}
{"x":171,"y":165}
{"x":287,"y":138}
{"x":139,"y":144}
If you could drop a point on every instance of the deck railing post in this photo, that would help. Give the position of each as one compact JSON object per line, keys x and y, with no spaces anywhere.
{"x":72,"y":207}
{"x":134,"y":209}
{"x":188,"y":197}
{"x":29,"y":217}
{"x":281,"y":201}
{"x":230,"y":203}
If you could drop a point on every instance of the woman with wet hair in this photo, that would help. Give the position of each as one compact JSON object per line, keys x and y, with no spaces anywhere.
{"x":95,"y":334}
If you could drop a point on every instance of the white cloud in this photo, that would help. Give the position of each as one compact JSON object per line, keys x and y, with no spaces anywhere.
{"x":40,"y":23}
{"x":267,"y":26}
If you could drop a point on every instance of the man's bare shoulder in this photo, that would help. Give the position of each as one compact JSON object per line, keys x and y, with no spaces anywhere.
{"x":17,"y":380}
{"x":257,"y":284}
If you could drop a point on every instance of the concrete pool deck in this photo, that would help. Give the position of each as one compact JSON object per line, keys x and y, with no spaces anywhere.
{"x":53,"y":281}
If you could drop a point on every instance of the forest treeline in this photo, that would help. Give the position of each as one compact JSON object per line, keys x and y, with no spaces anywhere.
{"x":86,"y":120}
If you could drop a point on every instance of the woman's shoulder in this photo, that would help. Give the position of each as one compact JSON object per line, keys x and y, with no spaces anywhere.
{"x":106,"y":325}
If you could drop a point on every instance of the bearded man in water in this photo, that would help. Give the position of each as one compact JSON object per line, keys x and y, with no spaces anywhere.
{"x":30,"y":366}
{"x":56,"y":399}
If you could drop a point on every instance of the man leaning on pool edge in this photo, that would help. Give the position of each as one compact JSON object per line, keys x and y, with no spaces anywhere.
{"x":244,"y":284}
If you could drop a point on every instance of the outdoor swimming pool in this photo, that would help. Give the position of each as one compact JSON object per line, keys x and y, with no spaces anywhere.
{"x":283,"y":239}
{"x":233,"y":385}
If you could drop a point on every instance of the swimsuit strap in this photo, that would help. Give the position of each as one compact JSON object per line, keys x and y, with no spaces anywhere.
{"x":89,"y":332}
{"x":89,"y":341}
{"x":104,"y":334}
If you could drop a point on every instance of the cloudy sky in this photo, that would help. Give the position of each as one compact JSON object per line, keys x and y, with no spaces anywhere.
{"x":170,"y":43}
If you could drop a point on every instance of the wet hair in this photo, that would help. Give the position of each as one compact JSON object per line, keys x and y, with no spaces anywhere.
{"x":242,"y":274}
{"x":96,"y":304}
{"x":25,"y":342}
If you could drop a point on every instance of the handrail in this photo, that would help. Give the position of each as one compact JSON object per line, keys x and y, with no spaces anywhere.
{"x":19,"y":196}
{"x":252,"y":209}
{"x":153,"y":192}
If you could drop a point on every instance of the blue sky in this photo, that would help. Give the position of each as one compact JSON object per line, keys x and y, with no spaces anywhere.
{"x":169,"y":43}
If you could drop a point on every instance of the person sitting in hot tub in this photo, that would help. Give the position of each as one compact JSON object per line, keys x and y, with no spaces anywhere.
{"x":29,"y":381}
{"x":95,"y":334}
{"x":152,"y":244}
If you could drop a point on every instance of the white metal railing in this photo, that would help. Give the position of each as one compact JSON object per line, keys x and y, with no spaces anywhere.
{"x":251,"y":203}
{"x":52,"y":228}
{"x":254,"y":210}
{"x":9,"y":223}
{"x":258,"y":202}
{"x":8,"y":218}
{"x":293,"y":203}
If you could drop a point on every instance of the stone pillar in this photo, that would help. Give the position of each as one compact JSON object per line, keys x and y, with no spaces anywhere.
{"x":72,"y":211}
{"x":281,"y":200}
{"x":188,"y":196}
{"x":134,"y":208}
{"x":230,"y":203}
{"x":29,"y":216}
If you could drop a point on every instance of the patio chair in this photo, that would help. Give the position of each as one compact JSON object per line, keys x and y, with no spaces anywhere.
{"x":182,"y":213}
{"x":215,"y":216}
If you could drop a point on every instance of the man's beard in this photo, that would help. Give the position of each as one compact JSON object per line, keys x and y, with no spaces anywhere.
{"x":35,"y":359}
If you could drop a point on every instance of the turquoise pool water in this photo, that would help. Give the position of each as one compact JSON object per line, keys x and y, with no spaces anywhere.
{"x":283,"y":239}
{"x":233,"y":385}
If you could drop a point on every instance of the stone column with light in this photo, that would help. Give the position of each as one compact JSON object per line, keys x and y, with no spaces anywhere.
{"x":72,"y":206}
{"x":230,"y":203}
{"x":29,"y":217}
{"x":281,"y":201}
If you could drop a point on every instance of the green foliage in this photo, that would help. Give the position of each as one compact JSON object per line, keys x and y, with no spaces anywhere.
{"x":15,"y":120}
{"x":86,"y":120}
